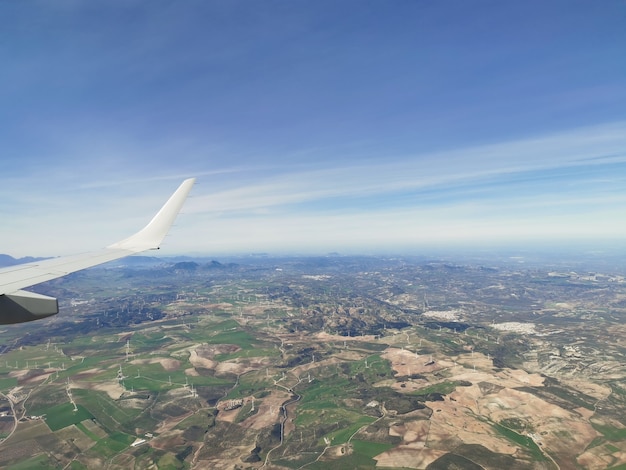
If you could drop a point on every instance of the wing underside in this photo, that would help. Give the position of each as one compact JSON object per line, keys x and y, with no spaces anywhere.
{"x":17,"y":306}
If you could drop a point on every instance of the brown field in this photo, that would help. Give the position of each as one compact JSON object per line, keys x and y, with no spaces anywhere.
{"x":167,"y":363}
{"x":269,"y":411}
{"x":460,"y":417}
{"x":408,"y":457}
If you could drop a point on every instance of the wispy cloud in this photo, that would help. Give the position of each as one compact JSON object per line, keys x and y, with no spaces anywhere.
{"x":566,"y":184}
{"x":482,"y":166}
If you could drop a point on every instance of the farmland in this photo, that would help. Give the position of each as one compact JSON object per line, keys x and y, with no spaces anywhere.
{"x":318,"y":365}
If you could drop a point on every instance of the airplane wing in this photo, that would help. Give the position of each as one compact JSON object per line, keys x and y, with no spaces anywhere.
{"x":17,"y":306}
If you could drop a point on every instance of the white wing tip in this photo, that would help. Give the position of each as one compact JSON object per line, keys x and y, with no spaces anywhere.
{"x":151,"y":236}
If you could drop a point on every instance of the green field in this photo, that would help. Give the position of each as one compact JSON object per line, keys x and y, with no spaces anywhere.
{"x":7,"y":383}
{"x":112,"y":445}
{"x":377,"y":368}
{"x":251,"y":352}
{"x":369,"y":449}
{"x":609,"y":432}
{"x":146,"y":343}
{"x":153,"y":377}
{"x":39,"y":461}
{"x":361,"y":458}
{"x":521,"y":440}
{"x":64,"y":415}
{"x":444,"y":388}
{"x":250,"y":384}
{"x":341,"y":436}
{"x":197,"y":419}
{"x":318,"y":394}
{"x":106,"y":411}
{"x":31,"y":356}
{"x":243,"y":339}
{"x":76,"y":465}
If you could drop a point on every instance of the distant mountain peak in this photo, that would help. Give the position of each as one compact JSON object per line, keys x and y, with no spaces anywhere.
{"x":186,"y":266}
{"x":8,"y":260}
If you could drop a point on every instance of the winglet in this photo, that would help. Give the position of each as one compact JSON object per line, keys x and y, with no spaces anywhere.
{"x":151,"y":236}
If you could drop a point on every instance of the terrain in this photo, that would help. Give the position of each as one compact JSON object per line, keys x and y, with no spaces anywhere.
{"x":325,"y":362}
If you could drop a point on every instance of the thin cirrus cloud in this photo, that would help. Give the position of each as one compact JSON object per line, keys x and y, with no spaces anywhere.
{"x":513,"y":167}
{"x":566,"y":186}
{"x":563,"y":186}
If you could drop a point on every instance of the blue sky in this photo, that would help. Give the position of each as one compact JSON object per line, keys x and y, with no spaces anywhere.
{"x":312,"y":126}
